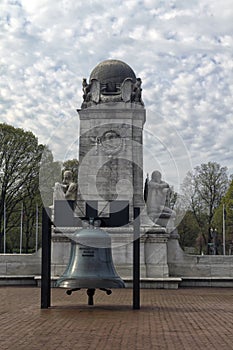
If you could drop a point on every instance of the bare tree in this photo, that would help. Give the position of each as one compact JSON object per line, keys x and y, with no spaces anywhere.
{"x":203,"y":189}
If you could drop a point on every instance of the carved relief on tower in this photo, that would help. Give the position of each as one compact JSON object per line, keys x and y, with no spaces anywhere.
{"x":111,"y":143}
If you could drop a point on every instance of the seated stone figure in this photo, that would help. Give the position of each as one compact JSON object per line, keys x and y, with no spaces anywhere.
{"x":67,"y":190}
{"x":158,"y":200}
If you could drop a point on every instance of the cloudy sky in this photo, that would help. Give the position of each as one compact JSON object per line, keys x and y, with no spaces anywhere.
{"x":182,"y":50}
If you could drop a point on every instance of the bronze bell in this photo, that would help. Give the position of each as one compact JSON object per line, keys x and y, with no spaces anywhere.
{"x":90,"y":265}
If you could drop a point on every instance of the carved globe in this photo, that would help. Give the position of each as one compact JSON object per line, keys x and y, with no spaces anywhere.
{"x":112,"y":73}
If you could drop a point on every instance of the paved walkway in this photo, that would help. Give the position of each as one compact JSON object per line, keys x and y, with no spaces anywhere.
{"x":168,"y":319}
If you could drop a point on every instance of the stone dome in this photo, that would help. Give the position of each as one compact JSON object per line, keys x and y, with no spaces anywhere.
{"x":112,"y":72}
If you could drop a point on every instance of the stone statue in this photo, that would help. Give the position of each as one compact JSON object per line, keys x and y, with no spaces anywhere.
{"x":86,"y":90}
{"x":137,"y":91}
{"x":158,"y":200}
{"x":67,"y":190}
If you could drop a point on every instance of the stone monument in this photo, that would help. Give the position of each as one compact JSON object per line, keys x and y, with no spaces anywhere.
{"x":112,"y":118}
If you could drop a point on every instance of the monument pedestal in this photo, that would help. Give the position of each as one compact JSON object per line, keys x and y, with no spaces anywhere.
{"x":153,"y":254}
{"x":156,"y":259}
{"x":60,"y":253}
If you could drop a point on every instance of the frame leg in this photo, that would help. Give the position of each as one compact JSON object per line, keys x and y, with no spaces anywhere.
{"x":136,"y":260}
{"x":46,"y":259}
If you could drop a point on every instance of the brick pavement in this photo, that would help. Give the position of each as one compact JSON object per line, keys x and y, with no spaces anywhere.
{"x":168,"y":319}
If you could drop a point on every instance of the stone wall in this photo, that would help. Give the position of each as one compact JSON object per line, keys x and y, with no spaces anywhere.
{"x":185,"y":265}
{"x":20,"y":264}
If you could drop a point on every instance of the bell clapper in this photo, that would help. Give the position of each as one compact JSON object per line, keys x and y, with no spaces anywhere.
{"x":90,"y":293}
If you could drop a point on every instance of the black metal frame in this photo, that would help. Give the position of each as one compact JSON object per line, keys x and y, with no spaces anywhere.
{"x":136,"y":260}
{"x":64,"y":213}
{"x":46,"y":259}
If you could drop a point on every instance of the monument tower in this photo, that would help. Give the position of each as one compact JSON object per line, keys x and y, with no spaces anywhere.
{"x":112,"y":117}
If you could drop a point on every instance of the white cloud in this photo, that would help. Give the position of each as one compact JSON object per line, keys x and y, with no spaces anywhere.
{"x":182,"y":50}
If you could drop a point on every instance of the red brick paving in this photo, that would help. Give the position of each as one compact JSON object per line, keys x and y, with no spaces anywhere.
{"x":168,"y":319}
